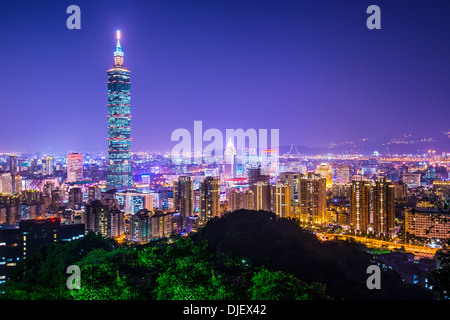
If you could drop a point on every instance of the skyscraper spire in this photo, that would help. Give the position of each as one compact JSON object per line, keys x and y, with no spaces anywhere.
{"x":118,"y":38}
{"x":118,"y":54}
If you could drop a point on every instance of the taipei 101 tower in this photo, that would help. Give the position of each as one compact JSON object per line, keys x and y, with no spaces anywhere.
{"x":119,"y":124}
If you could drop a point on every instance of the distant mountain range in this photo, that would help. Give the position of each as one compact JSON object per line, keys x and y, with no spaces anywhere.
{"x":406,"y":144}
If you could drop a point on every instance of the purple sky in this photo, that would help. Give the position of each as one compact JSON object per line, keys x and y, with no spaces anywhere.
{"x":309,"y":68}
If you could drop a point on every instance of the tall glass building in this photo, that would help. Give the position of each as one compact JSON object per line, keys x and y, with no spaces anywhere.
{"x":119,"y":124}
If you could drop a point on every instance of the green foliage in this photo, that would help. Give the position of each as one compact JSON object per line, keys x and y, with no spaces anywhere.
{"x":281,"y":244}
{"x":277,"y":285}
{"x":245,"y":255}
{"x":42,"y":275}
{"x":188,"y":274}
{"x":103,"y":282}
{"x":439,"y":279}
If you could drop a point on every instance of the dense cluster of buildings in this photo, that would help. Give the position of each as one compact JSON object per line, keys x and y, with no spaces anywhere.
{"x":139,"y":197}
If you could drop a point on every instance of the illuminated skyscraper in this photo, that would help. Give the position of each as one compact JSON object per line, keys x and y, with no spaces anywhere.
{"x":13,"y":172}
{"x":119,"y":124}
{"x":97,"y":218}
{"x":313,"y":198}
{"x":141,"y":227}
{"x":48,"y":165}
{"x":183,"y":196}
{"x":230,"y":161}
{"x":293,"y":180}
{"x":13,"y":164}
{"x":262,"y":194}
{"x":325,"y":171}
{"x":384,"y":207}
{"x":359,"y":205}
{"x":341,"y":173}
{"x":209,"y":199}
{"x":240,"y":200}
{"x":281,"y":200}
{"x":74,"y":167}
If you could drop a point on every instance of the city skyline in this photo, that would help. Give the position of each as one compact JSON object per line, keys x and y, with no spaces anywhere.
{"x":207,"y":62}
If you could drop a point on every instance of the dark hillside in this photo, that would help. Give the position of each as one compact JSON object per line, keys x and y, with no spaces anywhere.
{"x":282,"y":245}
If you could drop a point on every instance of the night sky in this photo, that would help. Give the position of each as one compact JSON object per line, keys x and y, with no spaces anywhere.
{"x":309,"y":68}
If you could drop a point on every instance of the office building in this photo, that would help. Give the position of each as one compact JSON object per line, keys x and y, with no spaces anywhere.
{"x":74,"y":167}
{"x":18,"y":243}
{"x":119,"y":174}
{"x":412,"y":180}
{"x":48,"y":166}
{"x":13,"y":164}
{"x":325,"y":171}
{"x":424,"y":223}
{"x":131,"y":202}
{"x":341,"y":173}
{"x":230,"y":161}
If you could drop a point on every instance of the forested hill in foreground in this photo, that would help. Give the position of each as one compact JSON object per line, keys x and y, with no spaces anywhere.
{"x":280,"y":244}
{"x":245,"y":255}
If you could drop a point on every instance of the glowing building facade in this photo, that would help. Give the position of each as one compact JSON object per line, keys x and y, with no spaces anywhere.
{"x":74,"y":167}
{"x":360,"y":194}
{"x":119,"y":124}
{"x":209,"y":199}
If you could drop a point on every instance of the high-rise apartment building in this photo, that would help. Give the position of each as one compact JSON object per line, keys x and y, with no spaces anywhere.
{"x":209,"y":199}
{"x":94,"y":193}
{"x":141,"y":227}
{"x":183,"y":196}
{"x":75,"y":198}
{"x":119,"y":174}
{"x":360,"y":199}
{"x":313,"y":198}
{"x":97,"y":218}
{"x":262,"y":194}
{"x":240,"y":200}
{"x":384,"y":207}
{"x":257,"y":174}
{"x":281,"y":200}
{"x":293,"y":180}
